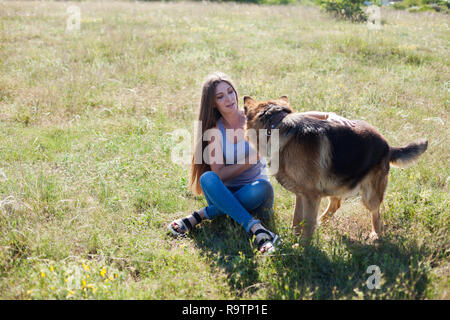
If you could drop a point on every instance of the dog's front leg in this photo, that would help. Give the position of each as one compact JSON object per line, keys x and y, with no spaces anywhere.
{"x":298,"y":215}
{"x":310,"y":209}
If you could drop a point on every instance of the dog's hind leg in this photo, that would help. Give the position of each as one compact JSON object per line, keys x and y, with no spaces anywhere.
{"x":372,"y":197}
{"x":298,"y":215}
{"x":310,"y":209}
{"x":334,"y":203}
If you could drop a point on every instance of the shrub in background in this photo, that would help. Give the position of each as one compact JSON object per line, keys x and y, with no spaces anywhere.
{"x":346,"y":9}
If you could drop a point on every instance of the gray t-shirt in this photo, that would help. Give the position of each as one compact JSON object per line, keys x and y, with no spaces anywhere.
{"x":236,"y":153}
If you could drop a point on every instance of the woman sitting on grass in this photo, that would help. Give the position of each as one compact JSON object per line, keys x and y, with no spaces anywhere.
{"x":230,"y":187}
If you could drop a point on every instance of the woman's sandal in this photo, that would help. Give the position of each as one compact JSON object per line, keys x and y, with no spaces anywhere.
{"x":180,"y":227}
{"x":266,"y":244}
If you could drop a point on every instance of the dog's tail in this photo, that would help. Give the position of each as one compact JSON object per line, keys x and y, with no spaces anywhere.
{"x":403,"y":156}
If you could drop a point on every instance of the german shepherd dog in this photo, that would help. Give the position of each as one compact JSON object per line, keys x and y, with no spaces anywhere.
{"x":319,"y":158}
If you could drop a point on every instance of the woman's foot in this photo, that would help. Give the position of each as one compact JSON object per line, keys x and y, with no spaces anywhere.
{"x":180,"y":227}
{"x":265,"y":239}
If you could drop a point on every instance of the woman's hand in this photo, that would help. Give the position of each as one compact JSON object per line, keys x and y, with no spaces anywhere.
{"x":330,"y":116}
{"x":340,"y":120}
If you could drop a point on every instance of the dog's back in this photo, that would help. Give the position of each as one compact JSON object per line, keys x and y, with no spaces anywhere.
{"x":343,"y":155}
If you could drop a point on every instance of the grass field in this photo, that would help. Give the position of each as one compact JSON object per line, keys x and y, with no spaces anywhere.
{"x":87,"y":186}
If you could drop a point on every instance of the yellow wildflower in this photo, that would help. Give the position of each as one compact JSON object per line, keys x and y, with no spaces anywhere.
{"x":51,"y":268}
{"x":85,"y":267}
{"x":103,"y":272}
{"x":42,"y":274}
{"x":106,"y":280}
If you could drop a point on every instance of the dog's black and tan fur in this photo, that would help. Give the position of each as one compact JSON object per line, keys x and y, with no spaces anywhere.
{"x":319,"y":158}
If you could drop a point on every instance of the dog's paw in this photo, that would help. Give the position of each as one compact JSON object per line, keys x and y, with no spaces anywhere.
{"x":373,"y":236}
{"x":323,"y":220}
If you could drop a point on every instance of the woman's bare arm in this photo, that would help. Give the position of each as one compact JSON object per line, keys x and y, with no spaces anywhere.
{"x":229,"y":172}
{"x":329,"y":116}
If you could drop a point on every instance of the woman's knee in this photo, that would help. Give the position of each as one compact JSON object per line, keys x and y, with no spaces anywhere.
{"x":208,"y":178}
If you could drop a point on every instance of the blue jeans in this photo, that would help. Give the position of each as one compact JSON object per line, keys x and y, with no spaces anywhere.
{"x":237,"y":202}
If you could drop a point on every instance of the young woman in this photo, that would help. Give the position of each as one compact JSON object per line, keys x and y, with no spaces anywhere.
{"x":231,"y":186}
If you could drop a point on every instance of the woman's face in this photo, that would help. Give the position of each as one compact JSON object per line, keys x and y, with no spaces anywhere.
{"x":225,"y":98}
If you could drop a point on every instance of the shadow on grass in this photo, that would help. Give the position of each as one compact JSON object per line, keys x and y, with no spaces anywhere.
{"x":232,"y":249}
{"x":337,"y":269}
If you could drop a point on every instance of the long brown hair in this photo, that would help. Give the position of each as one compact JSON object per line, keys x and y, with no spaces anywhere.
{"x":208,"y":115}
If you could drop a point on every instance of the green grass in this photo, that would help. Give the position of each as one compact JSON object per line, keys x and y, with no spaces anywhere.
{"x":87,"y":186}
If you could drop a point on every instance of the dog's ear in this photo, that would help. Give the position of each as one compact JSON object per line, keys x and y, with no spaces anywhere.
{"x":248,"y":101}
{"x":284,"y":98}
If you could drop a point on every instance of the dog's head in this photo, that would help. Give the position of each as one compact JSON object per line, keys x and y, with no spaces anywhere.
{"x":260,"y":115}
